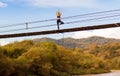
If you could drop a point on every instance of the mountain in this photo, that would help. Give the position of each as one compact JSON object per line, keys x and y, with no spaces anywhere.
{"x":80,"y":43}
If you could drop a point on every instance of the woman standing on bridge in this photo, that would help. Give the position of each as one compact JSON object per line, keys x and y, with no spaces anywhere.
{"x":58,"y":14}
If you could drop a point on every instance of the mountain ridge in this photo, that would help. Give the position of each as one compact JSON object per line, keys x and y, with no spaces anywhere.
{"x":80,"y":43}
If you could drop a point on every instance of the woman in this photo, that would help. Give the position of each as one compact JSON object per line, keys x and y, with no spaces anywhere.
{"x":58,"y":14}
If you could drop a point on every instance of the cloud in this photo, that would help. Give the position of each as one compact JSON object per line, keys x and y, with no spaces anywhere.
{"x":108,"y":33}
{"x":3,"y":42}
{"x":3,"y":4}
{"x":63,"y":3}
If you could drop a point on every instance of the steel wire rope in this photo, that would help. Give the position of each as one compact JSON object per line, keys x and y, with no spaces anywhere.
{"x":93,"y":19}
{"x":99,"y":15}
{"x":92,"y":13}
{"x":55,"y":24}
{"x":86,"y":20}
{"x":65,"y":23}
{"x":61,"y":18}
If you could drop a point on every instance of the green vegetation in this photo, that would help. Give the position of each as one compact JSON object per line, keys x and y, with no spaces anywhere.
{"x":27,"y":58}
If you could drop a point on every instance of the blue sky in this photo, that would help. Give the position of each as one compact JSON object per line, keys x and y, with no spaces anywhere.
{"x":20,"y":11}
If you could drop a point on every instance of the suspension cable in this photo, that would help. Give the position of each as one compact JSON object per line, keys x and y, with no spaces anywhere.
{"x":88,"y":14}
{"x":86,"y":20}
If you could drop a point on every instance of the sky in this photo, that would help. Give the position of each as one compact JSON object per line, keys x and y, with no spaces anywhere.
{"x":20,"y":11}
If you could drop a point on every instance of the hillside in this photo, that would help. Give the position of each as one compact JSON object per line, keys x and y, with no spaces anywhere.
{"x":80,"y":43}
{"x":45,"y":58}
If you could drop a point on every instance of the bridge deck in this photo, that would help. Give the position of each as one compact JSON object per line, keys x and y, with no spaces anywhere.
{"x":61,"y":31}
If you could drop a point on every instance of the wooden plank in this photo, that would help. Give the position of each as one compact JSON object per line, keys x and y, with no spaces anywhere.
{"x":61,"y":31}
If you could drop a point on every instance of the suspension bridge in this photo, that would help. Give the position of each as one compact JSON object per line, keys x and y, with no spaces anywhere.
{"x":98,"y":16}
